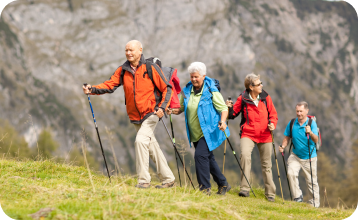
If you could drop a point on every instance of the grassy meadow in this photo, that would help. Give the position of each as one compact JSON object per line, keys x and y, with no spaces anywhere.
{"x":69,"y":192}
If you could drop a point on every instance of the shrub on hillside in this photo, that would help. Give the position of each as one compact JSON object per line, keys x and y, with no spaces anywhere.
{"x":11,"y":143}
{"x":46,"y":144}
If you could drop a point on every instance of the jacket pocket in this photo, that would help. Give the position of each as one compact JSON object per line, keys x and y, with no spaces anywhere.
{"x":205,"y":113}
{"x":248,"y":130}
{"x":147,"y":108}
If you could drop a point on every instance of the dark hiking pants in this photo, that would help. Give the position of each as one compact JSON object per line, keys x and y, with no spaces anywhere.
{"x":205,"y":165}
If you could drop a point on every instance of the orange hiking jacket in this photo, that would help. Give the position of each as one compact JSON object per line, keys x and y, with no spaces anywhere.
{"x":140,"y":96}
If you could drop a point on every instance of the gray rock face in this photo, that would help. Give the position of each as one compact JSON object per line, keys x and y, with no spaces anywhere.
{"x":49,"y":49}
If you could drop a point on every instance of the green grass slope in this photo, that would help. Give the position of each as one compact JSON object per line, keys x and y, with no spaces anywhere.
{"x":28,"y":186}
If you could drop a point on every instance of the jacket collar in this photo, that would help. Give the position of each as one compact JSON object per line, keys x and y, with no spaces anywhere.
{"x":127,"y":66}
{"x":246,"y":95}
{"x":199,"y":91}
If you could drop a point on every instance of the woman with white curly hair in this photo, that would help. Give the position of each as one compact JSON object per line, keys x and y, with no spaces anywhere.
{"x":204,"y":108}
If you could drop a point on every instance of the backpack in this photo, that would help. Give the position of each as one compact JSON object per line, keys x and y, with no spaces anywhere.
{"x":310,"y":118}
{"x":170,"y":74}
{"x":217,"y":84}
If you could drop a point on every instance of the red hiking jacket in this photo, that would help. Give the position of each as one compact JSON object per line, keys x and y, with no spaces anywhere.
{"x":256,"y":118}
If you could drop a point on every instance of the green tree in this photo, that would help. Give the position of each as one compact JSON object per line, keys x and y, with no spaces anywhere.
{"x":12,"y":145}
{"x":46,"y":144}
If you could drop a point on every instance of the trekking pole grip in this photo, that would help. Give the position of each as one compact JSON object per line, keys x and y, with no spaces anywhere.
{"x":280,"y":146}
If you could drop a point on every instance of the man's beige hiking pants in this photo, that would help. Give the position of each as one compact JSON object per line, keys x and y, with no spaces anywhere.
{"x":147,"y":146}
{"x":294,"y":165}
{"x":265,"y":149}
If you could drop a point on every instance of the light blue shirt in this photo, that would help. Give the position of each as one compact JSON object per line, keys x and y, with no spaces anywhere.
{"x":299,"y":139}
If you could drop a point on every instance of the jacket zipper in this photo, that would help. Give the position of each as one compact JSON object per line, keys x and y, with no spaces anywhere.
{"x":135,"y":104}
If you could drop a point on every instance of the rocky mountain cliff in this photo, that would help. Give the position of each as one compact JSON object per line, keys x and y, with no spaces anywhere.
{"x":303,"y":50}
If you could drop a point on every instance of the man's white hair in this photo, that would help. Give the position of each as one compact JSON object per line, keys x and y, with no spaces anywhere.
{"x":197,"y":67}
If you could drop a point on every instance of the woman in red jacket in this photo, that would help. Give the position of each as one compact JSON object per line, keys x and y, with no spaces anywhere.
{"x":258,"y":119}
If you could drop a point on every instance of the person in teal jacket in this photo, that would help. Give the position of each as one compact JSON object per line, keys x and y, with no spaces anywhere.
{"x":204,"y":107}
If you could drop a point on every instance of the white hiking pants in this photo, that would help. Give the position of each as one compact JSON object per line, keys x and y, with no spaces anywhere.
{"x":294,"y":165}
{"x":147,"y":146}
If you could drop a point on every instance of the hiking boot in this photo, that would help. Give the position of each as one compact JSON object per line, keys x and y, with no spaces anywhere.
{"x":244,"y":193}
{"x":206,"y":191}
{"x":223,"y":189}
{"x":165,"y":185}
{"x":271,"y":199}
{"x":143,"y":185}
{"x":299,"y":199}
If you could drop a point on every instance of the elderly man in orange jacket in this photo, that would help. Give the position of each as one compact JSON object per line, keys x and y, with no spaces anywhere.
{"x":144,"y":108}
{"x":258,"y":119}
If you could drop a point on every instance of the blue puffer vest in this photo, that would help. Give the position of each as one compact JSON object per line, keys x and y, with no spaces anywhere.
{"x":208,"y":116}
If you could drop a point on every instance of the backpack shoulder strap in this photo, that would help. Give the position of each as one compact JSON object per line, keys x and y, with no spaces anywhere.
{"x":149,"y":70}
{"x":264,"y":100}
{"x":291,"y":126}
{"x":121,"y":80}
{"x":309,"y":122}
{"x":150,"y":73}
{"x":244,"y":105}
{"x":268,"y":113}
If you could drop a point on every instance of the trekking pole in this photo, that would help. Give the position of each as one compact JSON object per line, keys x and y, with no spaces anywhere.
{"x":171,"y":125}
{"x":278,"y":171}
{"x":229,"y":98}
{"x":94,"y":119}
{"x":238,"y":161}
{"x":288,"y":182}
{"x":176,"y":151}
{"x":309,"y":154}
